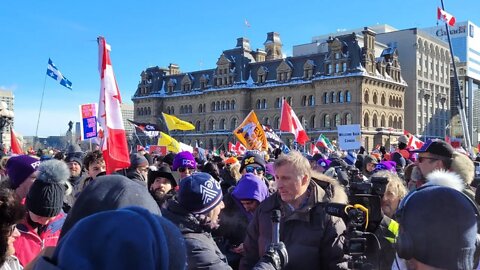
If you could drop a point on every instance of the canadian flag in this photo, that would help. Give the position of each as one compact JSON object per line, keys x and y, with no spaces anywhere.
{"x":289,"y":123}
{"x":445,"y":16}
{"x":313,"y":149}
{"x":14,"y":145}
{"x":237,"y":148}
{"x":413,"y":142}
{"x":112,"y":134}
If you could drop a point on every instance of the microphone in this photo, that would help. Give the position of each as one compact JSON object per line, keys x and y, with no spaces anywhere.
{"x":276,"y":226}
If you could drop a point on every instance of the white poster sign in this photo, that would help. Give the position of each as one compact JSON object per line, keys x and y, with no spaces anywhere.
{"x":349,"y":137}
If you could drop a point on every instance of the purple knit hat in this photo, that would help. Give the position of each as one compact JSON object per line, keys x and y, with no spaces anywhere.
{"x":184,"y":159}
{"x":19,"y":168}
{"x":386,"y":166}
{"x":324,"y":163}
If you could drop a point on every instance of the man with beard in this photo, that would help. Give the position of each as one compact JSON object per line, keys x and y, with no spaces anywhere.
{"x":161,"y":184}
{"x":74,"y":160}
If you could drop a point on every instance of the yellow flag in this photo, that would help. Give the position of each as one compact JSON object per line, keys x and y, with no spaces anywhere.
{"x":251,"y":134}
{"x":171,"y":144}
{"x":174,"y":123}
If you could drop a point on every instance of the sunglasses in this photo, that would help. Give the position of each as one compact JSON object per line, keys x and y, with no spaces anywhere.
{"x":421,"y":159}
{"x":184,"y":169}
{"x":269,"y":177}
{"x":251,"y":169}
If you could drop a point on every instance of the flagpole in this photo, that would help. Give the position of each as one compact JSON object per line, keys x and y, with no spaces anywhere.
{"x":40,"y":111}
{"x":458,"y":95}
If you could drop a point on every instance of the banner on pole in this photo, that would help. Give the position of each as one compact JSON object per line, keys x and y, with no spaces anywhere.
{"x":88,"y":127}
{"x":349,"y":137}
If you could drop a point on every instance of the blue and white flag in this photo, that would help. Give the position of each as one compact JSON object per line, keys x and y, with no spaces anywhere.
{"x":53,"y":72}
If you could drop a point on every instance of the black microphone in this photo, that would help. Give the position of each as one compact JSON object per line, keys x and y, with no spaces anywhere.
{"x":276,"y":226}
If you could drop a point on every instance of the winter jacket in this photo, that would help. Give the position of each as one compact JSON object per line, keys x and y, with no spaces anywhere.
{"x":29,"y":244}
{"x":202,"y":251}
{"x":312,"y":237}
{"x":69,"y":199}
{"x":134,"y":175}
{"x":11,"y":263}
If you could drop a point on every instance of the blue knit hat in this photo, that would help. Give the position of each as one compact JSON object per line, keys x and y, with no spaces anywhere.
{"x":199,"y":193}
{"x":117,"y":234}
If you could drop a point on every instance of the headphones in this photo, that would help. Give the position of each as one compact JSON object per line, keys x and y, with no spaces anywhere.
{"x":404,"y":244}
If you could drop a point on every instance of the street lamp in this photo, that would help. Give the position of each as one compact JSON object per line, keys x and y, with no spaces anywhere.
{"x":6,"y":117}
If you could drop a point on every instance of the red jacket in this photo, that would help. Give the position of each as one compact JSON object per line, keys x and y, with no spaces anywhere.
{"x":29,"y":244}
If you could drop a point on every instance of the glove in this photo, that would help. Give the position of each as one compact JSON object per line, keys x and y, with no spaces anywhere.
{"x":276,"y":255}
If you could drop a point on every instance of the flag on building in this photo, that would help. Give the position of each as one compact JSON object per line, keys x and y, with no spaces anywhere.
{"x":250,"y":133}
{"x":324,"y":142}
{"x":273,"y":139}
{"x":174,"y":123}
{"x":413,"y":142}
{"x":151,"y":130}
{"x":112,"y":133}
{"x":14,"y":144}
{"x":171,"y":144}
{"x":445,"y":16}
{"x":53,"y":72}
{"x":289,"y":123}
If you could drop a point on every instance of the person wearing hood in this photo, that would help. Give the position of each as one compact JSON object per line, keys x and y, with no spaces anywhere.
{"x":369,"y":163}
{"x":240,"y":204}
{"x":22,"y":172}
{"x":195,"y":211}
{"x":11,"y":212}
{"x":138,"y":169}
{"x":123,"y":239}
{"x":161,"y":184}
{"x":43,"y":222}
{"x":74,"y":160}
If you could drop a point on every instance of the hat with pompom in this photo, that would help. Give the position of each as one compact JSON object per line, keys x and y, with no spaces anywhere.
{"x":45,"y":197}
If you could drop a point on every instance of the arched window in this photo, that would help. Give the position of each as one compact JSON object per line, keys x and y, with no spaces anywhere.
{"x":289,"y":100}
{"x":217,"y":106}
{"x":325,"y":98}
{"x":222,"y":124}
{"x":366,"y":120}
{"x":233,"y":124}
{"x":333,"y":97}
{"x":312,"y":122}
{"x":311,"y":100}
{"x":212,"y":107}
{"x":304,"y":101}
{"x":211,"y":124}
{"x":223,"y":105}
{"x":198,"y":126}
{"x":228,"y":104}
{"x":233,"y":104}
{"x":266,"y":121}
{"x":258,"y":106}
{"x":338,"y":120}
{"x":348,"y":119}
{"x":348,"y":97}
{"x":173,"y":110}
{"x":182,"y":110}
{"x":340,"y":97}
{"x":382,"y":121}
{"x":264,"y":104}
{"x":375,"y":121}
{"x":276,"y":122}
{"x":200,"y":108}
{"x":375,"y":99}
{"x":366,"y":97}
{"x":326,"y":120}
{"x":400,"y":123}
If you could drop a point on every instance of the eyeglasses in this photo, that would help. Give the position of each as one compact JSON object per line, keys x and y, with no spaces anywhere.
{"x":421,"y":159}
{"x":269,"y":177}
{"x":251,"y":169}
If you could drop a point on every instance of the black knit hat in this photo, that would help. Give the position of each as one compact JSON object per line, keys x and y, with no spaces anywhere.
{"x":45,"y":197}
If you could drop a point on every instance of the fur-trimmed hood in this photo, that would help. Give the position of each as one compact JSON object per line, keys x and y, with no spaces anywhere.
{"x":338,"y":191}
{"x":464,"y":167}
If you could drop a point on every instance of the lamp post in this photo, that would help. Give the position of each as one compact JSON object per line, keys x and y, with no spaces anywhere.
{"x":6,"y":117}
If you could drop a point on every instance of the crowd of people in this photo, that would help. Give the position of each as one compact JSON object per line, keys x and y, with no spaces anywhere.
{"x":407,"y":209}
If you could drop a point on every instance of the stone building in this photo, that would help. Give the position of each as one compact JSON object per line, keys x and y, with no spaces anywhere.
{"x":346,"y":84}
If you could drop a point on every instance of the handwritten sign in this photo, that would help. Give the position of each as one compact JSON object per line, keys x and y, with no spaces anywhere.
{"x":88,"y":128}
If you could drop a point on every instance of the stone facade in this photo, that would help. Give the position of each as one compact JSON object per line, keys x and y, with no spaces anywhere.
{"x":345,"y":85}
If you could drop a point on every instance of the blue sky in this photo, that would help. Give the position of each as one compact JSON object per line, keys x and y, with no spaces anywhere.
{"x":192,"y":34}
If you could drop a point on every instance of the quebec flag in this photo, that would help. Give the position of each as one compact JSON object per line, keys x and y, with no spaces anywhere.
{"x":53,"y":72}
